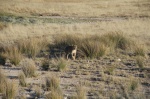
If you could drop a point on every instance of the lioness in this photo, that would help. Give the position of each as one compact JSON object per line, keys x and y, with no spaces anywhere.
{"x":71,"y":50}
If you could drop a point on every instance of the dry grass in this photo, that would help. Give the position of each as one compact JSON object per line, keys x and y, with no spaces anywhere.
{"x":22,"y":79}
{"x":28,"y":67}
{"x":81,"y":93}
{"x":59,"y":63}
{"x":10,"y":91}
{"x":54,"y":95}
{"x":12,"y":53}
{"x":3,"y":81}
{"x":52,"y":83}
{"x":88,"y":8}
{"x":31,"y":47}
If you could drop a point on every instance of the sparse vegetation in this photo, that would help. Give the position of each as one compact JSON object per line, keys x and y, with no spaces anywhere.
{"x":112,"y":37}
{"x":28,"y":67}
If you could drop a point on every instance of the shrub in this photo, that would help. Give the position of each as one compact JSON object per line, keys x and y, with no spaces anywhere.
{"x":92,"y":49}
{"x":22,"y":79}
{"x":12,"y":53}
{"x":139,"y":50}
{"x":67,"y":39}
{"x":28,"y":67}
{"x":54,"y":95}
{"x":45,"y":65}
{"x":140,"y":62}
{"x":81,"y":93}
{"x":31,"y":47}
{"x":116,"y":40}
{"x":52,"y":83}
{"x":10,"y":90}
{"x":2,"y":81}
{"x":60,"y":64}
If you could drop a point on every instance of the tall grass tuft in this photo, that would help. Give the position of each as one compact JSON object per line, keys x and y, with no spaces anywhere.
{"x":92,"y":49}
{"x":2,"y":81}
{"x":22,"y":79}
{"x":12,"y":53}
{"x":10,"y":90}
{"x":60,"y":64}
{"x":67,"y":39}
{"x":140,"y":62}
{"x":139,"y":50}
{"x":54,"y":95}
{"x":52,"y":83}
{"x":116,"y":40}
{"x":32,"y":46}
{"x":81,"y":93}
{"x":28,"y":67}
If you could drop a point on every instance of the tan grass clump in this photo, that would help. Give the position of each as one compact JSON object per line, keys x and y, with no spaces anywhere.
{"x":92,"y":49}
{"x":52,"y":83}
{"x":32,"y":46}
{"x":64,"y":40}
{"x":12,"y":53}
{"x":22,"y":79}
{"x":54,"y":95}
{"x":3,"y":81}
{"x":10,"y":91}
{"x":116,"y":40}
{"x":81,"y":93}
{"x":2,"y":26}
{"x":60,"y":64}
{"x":139,"y":50}
{"x":28,"y":67}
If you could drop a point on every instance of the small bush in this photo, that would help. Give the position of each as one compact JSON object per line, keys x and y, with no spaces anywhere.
{"x":10,"y":90}
{"x":31,"y":47}
{"x":133,"y":85}
{"x":3,"y":80}
{"x":140,"y":62}
{"x":139,"y":50}
{"x":81,"y":93}
{"x":60,"y":64}
{"x":92,"y":49}
{"x":67,"y":39}
{"x":38,"y":91}
{"x":45,"y":65}
{"x":22,"y":79}
{"x":28,"y":67}
{"x":54,"y":95}
{"x":116,"y":40}
{"x":52,"y":83}
{"x":12,"y":53}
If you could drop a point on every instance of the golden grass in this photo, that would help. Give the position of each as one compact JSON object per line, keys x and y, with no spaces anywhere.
{"x":22,"y":79}
{"x":12,"y":53}
{"x":32,"y":46}
{"x":80,"y":8}
{"x":28,"y":67}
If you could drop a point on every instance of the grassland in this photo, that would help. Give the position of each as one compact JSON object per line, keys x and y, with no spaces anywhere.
{"x":113,"y":57}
